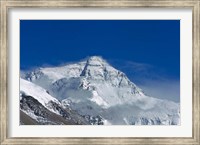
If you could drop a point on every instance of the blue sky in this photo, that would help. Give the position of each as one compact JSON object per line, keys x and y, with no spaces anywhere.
{"x":148,"y":51}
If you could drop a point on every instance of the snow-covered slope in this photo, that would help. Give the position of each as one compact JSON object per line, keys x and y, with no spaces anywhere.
{"x":29,"y":89}
{"x":94,"y":88}
{"x":42,"y":108}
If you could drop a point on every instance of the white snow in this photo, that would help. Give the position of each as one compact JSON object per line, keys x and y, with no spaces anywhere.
{"x":56,"y":73}
{"x":106,"y":122}
{"x":98,"y":100}
{"x":125,"y":120}
{"x":93,"y":87}
{"x":38,"y":93}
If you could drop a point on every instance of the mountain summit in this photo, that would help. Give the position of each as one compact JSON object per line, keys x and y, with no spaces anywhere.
{"x":102,"y":94}
{"x":96,"y":61}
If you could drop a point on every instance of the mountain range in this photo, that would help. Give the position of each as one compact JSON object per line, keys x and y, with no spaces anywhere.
{"x":89,"y":92}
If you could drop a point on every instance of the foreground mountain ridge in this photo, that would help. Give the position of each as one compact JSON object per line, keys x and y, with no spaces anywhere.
{"x":97,"y":91}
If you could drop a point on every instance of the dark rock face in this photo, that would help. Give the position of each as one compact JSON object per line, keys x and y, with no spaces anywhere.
{"x":30,"y":104}
{"x":43,"y":116}
{"x":94,"y":120}
{"x":59,"y":109}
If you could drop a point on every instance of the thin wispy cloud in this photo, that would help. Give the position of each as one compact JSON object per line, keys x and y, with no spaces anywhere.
{"x":152,"y":80}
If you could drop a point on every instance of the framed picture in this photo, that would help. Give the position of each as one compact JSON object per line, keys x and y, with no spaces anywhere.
{"x":100,"y":72}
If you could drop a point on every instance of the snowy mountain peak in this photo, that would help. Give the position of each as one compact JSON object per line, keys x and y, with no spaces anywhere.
{"x":95,"y":67}
{"x":96,"y":61}
{"x":96,"y":58}
{"x":95,"y":70}
{"x":93,"y":87}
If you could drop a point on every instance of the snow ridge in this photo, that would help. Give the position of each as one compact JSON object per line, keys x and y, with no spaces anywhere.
{"x":40,"y":94}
